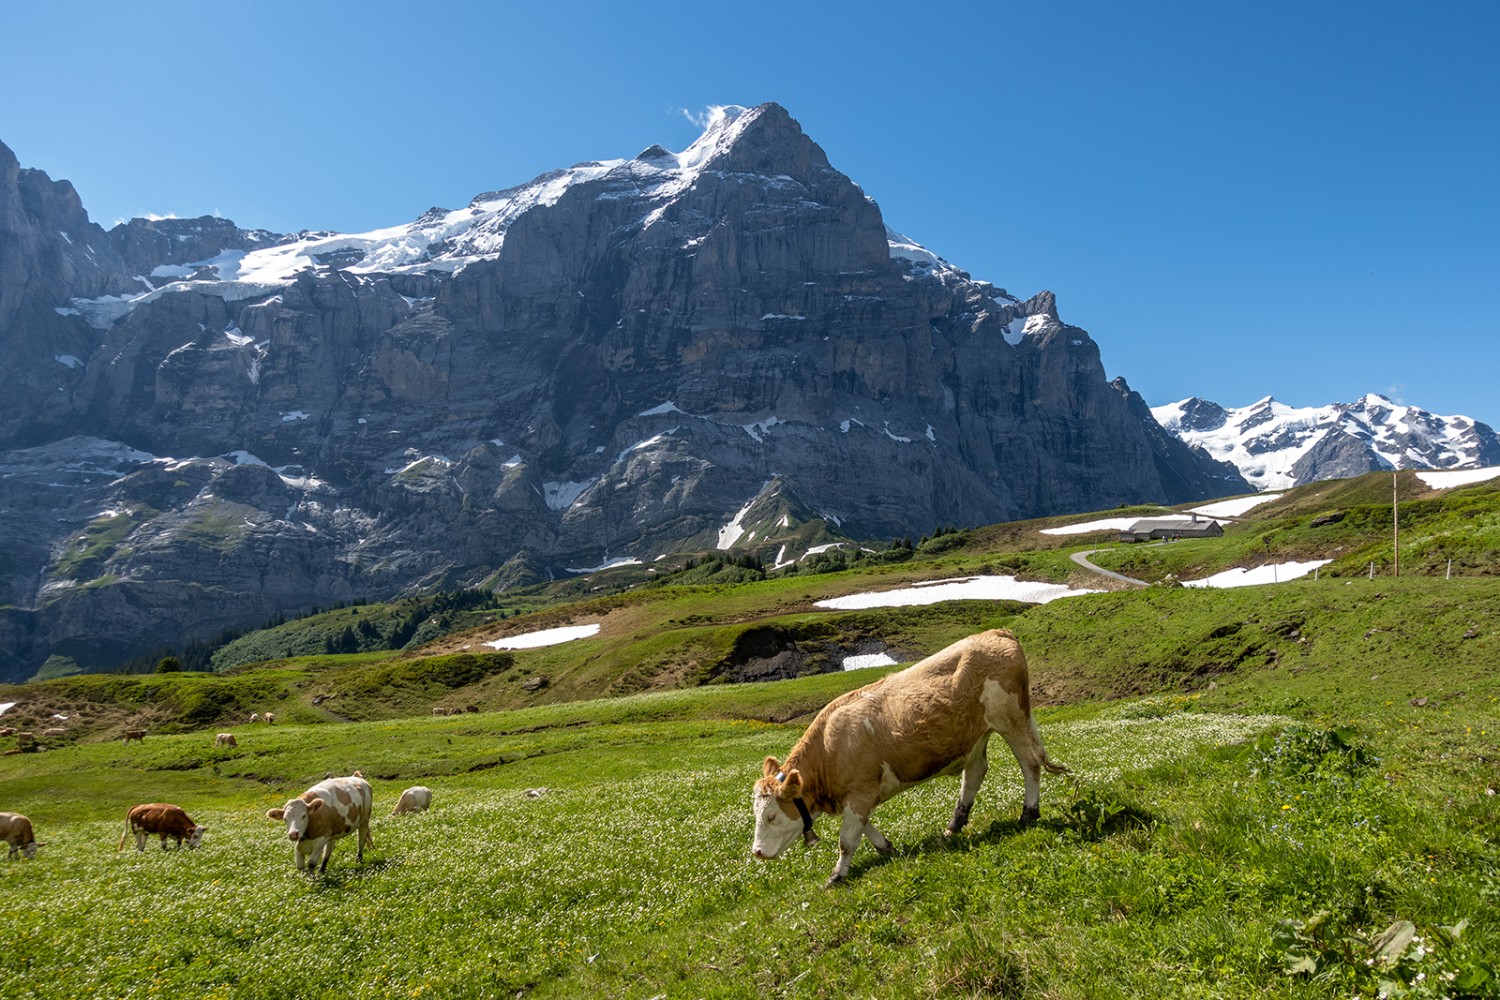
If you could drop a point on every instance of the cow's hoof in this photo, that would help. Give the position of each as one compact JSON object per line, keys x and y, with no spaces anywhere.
{"x":1030,"y":816}
{"x":834,"y":880}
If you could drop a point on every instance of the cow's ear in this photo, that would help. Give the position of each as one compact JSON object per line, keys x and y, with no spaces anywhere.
{"x":772,"y":766}
{"x":793,"y":783}
{"x":315,"y":805}
{"x":275,"y":813}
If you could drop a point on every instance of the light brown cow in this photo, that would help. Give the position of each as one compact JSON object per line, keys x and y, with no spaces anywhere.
{"x":134,"y":734}
{"x":16,"y":831}
{"x":7,"y":730}
{"x":270,"y":718}
{"x":933,"y":718}
{"x":164,"y":819}
{"x":55,"y":731}
{"x":417,"y":798}
{"x":225,"y":740}
{"x":333,"y":808}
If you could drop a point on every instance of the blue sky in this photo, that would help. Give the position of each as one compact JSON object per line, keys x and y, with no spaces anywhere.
{"x":1235,"y":200}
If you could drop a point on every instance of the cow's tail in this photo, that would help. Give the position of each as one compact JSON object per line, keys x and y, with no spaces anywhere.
{"x":124,"y":836}
{"x":1047,"y":762}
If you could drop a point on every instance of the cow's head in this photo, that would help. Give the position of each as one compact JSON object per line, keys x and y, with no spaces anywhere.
{"x":194,"y":838}
{"x":295,"y":815}
{"x":29,"y":850}
{"x":780,"y":813}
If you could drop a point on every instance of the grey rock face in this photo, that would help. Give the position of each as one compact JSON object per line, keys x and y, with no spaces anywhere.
{"x":715,"y":348}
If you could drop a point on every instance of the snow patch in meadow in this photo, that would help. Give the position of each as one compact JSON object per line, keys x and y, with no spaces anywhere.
{"x":865,"y":660}
{"x":6,"y":706}
{"x":1447,"y":479}
{"x":545,"y":637}
{"x":973,"y":588}
{"x":1238,"y":506}
{"x":1270,"y":573}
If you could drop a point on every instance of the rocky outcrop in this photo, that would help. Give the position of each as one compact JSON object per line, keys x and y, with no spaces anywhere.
{"x":723,"y":347}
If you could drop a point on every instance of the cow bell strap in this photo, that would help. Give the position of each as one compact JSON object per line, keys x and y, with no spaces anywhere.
{"x":807,"y":820}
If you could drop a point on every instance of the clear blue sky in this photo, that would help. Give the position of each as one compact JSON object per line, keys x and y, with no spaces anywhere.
{"x":1296,"y":199}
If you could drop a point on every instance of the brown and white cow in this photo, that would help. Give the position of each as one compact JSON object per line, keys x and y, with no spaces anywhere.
{"x":254,"y":716}
{"x":16,"y":831}
{"x":270,"y":718}
{"x":225,"y":740}
{"x":333,"y":808}
{"x":134,"y":734}
{"x":163,"y":819}
{"x":415,"y":799}
{"x":933,"y":718}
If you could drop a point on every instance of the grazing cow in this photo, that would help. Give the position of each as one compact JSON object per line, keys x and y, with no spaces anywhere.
{"x":134,"y":734}
{"x":414,"y":800}
{"x":439,"y":711}
{"x":55,"y":731}
{"x":16,"y":831}
{"x":225,"y":740}
{"x":933,"y":718}
{"x":270,"y":718}
{"x":254,"y":716}
{"x":163,"y":819}
{"x":7,"y":730}
{"x":333,"y":808}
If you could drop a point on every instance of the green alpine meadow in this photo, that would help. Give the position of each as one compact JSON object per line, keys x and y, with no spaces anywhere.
{"x":1287,"y":790}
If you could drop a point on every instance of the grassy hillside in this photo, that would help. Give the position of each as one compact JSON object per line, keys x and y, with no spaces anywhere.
{"x":1287,"y":790}
{"x":1313,"y":768}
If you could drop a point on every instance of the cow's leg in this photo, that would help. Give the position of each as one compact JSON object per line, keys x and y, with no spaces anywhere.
{"x":1005,"y":714}
{"x":141,"y":836}
{"x":877,"y":839}
{"x":975,"y":767}
{"x":327,"y":853}
{"x":850,"y":832}
{"x":1028,"y":751}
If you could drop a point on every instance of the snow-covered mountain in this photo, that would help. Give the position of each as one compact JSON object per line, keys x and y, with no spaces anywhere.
{"x":1276,"y":446}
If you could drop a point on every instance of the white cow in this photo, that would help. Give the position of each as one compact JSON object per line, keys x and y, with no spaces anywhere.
{"x":932,"y":718}
{"x":333,"y":808}
{"x":417,"y":798}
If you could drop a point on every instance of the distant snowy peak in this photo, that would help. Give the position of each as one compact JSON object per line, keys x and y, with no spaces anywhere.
{"x":1276,"y":446}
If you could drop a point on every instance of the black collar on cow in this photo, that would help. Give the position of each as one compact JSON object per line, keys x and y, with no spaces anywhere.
{"x":808,"y":836}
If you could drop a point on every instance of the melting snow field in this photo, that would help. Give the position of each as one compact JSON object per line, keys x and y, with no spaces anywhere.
{"x":1446,"y":480}
{"x":1235,"y":507}
{"x":1273,"y":573}
{"x":973,"y":588}
{"x":865,"y":660}
{"x":6,"y":706}
{"x":546,"y":637}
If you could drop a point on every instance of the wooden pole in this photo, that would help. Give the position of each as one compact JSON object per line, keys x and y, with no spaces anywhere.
{"x":1395,"y":527}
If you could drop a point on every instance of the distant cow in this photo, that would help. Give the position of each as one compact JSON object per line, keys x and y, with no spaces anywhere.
{"x":16,"y":831}
{"x":932,"y":718}
{"x":225,"y":740}
{"x":55,"y":731}
{"x":134,"y":734}
{"x":7,"y":730}
{"x":254,"y":716}
{"x":270,"y":717}
{"x":333,"y":808}
{"x":439,"y":711}
{"x":414,"y":800}
{"x":163,"y":819}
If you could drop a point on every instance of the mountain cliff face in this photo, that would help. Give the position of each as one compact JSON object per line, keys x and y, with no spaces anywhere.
{"x":204,"y":426}
{"x":1275,"y":446}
